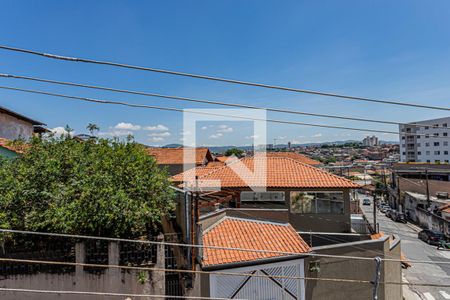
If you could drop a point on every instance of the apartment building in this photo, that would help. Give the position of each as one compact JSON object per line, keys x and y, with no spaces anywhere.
{"x":370,"y":141}
{"x":425,"y":141}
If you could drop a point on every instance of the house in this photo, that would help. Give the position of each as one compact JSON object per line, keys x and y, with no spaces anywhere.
{"x":243,"y":233}
{"x":15,"y":126}
{"x":174,"y":158}
{"x":307,"y":197}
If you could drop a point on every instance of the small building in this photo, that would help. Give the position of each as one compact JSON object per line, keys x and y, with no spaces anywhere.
{"x":174,"y":158}
{"x":15,"y":126}
{"x":267,"y":267}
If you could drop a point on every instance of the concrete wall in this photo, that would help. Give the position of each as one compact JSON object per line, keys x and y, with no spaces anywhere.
{"x":12,"y":128}
{"x":112,"y":280}
{"x":353,"y":269}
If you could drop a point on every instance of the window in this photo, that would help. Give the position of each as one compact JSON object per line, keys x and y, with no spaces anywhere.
{"x":427,"y":153}
{"x":427,"y":127}
{"x":404,"y":153}
{"x":444,"y":125}
{"x":418,"y":145}
{"x":427,"y":135}
{"x":418,"y":136}
{"x":445,"y":152}
{"x":419,"y":153}
{"x":445,"y":143}
{"x":445,"y":134}
{"x":437,"y":152}
{"x":317,"y":202}
{"x":263,"y":196}
{"x":436,"y":144}
{"x":428,"y":161}
{"x":435,"y":125}
{"x":437,"y":161}
{"x":427,"y":144}
{"x":436,"y":134}
{"x":403,"y":137}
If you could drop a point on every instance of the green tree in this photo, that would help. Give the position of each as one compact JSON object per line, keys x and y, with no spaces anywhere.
{"x":234,"y":151}
{"x":92,"y":128}
{"x":103,"y":187}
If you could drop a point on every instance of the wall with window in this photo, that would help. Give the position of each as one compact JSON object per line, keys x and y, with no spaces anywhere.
{"x":324,"y":210}
{"x":320,"y":211}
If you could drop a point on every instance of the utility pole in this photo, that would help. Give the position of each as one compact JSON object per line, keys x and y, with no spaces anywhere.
{"x":375,"y":228}
{"x":398,"y":189}
{"x":428,"y":188}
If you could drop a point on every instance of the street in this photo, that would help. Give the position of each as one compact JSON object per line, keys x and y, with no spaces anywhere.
{"x":415,"y":249}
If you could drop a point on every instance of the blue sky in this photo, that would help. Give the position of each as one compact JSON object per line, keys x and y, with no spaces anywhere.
{"x":385,"y":49}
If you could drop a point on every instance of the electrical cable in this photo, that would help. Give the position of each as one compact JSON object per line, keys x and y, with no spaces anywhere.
{"x":233,"y":81}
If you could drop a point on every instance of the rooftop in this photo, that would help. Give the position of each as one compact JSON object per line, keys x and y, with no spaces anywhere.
{"x":294,"y":155}
{"x":249,"y":234}
{"x":16,"y":147}
{"x":175,"y":156}
{"x":281,"y":172}
{"x":19,"y":116}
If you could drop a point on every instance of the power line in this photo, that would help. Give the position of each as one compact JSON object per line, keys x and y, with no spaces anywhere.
{"x":234,"y":81}
{"x":136,"y":268}
{"x":103,"y":101}
{"x":180,"y":98}
{"x":222,"y":273}
{"x":109,"y":294}
{"x":77,"y":236}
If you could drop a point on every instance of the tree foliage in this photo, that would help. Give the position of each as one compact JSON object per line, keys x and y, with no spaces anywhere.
{"x":99,"y":187}
{"x":234,"y":151}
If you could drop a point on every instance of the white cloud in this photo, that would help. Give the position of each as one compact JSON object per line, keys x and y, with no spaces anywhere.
{"x":204,"y":127}
{"x":156,"y":139}
{"x":121,"y":132}
{"x":317,"y":135}
{"x":216,"y":135}
{"x":127,"y":126}
{"x":185,"y":132}
{"x":225,"y":129}
{"x":58,"y":131}
{"x":159,"y":134}
{"x":158,"y":127}
{"x":251,"y":137}
{"x":281,"y":138}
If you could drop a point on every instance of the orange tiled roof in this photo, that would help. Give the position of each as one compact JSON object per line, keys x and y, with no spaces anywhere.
{"x":222,"y":158}
{"x":191,"y":173}
{"x":249,"y":234}
{"x":281,"y":173}
{"x":294,"y":155}
{"x":12,"y":146}
{"x":175,"y":156}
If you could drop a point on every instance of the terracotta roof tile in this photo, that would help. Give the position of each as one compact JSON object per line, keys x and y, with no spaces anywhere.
{"x":175,"y":156}
{"x":294,"y":155}
{"x":17,"y":147}
{"x":191,"y":173}
{"x":281,"y":173}
{"x":249,"y":234}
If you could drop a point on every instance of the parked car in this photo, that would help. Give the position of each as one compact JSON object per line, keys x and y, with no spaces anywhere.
{"x":389,"y":213}
{"x":384,"y":207}
{"x":432,"y":237}
{"x":399,"y":217}
{"x":366,"y":201}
